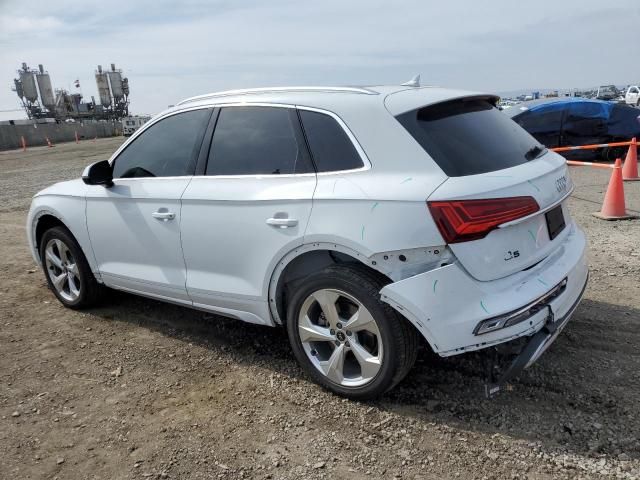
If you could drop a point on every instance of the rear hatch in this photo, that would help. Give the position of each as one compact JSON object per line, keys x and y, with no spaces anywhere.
{"x":518,"y":244}
{"x":503,"y":207}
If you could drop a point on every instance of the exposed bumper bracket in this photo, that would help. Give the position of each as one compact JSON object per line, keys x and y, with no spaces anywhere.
{"x":533,"y":349}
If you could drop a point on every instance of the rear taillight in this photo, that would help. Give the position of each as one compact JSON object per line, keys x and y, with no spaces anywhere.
{"x":464,"y":220}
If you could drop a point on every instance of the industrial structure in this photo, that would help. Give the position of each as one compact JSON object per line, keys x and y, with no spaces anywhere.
{"x":40,"y":100}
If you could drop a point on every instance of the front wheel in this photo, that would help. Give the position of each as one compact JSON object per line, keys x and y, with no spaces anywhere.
{"x":67,"y":270}
{"x":345,"y":337}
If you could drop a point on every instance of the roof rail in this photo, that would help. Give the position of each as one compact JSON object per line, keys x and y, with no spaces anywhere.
{"x":228,"y":93}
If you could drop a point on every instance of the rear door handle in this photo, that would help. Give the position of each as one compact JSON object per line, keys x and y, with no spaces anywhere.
{"x":282,"y":222}
{"x":163,"y":215}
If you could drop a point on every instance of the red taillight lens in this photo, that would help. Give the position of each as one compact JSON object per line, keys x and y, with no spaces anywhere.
{"x":464,"y":220}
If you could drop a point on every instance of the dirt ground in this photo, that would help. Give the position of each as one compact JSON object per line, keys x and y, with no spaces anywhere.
{"x":141,"y":389}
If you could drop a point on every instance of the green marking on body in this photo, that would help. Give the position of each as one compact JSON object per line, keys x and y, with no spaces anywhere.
{"x":483,"y":307}
{"x":533,"y":185}
{"x":362,"y":234}
{"x":543,"y":282}
{"x":434,"y":286}
{"x":406,"y":180}
{"x":374,"y":206}
{"x":533,"y":237}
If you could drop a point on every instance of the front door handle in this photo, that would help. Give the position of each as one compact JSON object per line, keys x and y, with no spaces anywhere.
{"x":282,"y":222}
{"x":163,"y":215}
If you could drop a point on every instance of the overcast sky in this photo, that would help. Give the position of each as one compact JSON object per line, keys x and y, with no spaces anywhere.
{"x":171,"y":50}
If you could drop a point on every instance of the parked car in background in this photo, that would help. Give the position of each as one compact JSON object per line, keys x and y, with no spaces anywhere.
{"x":571,"y":121}
{"x":607,"y":92}
{"x":632,"y":97}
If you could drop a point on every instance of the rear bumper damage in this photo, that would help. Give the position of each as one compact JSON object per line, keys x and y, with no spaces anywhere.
{"x":535,"y":347}
{"x":448,"y":305}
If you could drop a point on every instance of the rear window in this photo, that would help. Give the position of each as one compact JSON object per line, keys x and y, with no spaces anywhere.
{"x":470,"y":136}
{"x":331,"y":148}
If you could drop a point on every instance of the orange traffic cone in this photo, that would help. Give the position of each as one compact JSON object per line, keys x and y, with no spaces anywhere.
{"x":613,"y":207}
{"x":77,"y":140}
{"x":24,"y":143}
{"x":630,"y":168}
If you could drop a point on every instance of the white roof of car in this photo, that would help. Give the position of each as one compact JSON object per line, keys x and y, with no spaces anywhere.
{"x":397,"y":98}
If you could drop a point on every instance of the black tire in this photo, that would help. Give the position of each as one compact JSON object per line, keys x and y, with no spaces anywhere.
{"x":399,"y":338}
{"x":89,"y":290}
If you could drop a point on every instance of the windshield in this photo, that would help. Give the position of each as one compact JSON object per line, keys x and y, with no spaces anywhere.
{"x":470,"y":136}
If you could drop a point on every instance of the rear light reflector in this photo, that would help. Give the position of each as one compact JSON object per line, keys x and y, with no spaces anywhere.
{"x":465,"y":220}
{"x":522,"y":314}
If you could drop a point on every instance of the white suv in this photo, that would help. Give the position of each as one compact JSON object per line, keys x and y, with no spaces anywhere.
{"x":632,"y":97}
{"x":361,"y":219}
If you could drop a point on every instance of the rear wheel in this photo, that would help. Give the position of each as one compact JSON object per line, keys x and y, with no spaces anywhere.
{"x":68,"y":273}
{"x":345,"y":337}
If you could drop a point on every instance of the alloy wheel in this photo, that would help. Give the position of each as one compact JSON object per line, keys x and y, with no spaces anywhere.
{"x":340,"y":337}
{"x":62,"y":270}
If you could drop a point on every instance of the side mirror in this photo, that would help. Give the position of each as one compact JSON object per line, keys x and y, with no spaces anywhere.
{"x":99,"y":173}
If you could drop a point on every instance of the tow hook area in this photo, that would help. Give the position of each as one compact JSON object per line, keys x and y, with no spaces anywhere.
{"x":523,"y":352}
{"x":510,"y":359}
{"x":499,"y":366}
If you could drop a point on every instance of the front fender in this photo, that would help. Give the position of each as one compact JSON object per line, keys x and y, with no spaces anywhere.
{"x":71,"y":212}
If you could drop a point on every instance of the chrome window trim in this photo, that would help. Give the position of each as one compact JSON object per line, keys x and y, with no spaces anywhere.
{"x":149,"y":124}
{"x":284,"y":175}
{"x":363,"y":156}
{"x":366,"y":163}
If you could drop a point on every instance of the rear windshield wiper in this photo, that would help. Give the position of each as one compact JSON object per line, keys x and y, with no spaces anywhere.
{"x":534,"y":152}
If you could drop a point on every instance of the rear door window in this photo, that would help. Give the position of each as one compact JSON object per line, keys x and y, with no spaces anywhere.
{"x":470,"y":136}
{"x":331,"y":148}
{"x":258,"y":141}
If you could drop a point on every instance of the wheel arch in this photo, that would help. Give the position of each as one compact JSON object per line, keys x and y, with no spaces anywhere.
{"x":312,"y":257}
{"x":44,"y":217}
{"x":306,"y":259}
{"x":45,"y":222}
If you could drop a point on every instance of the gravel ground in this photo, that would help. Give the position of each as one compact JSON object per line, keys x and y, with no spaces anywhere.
{"x":141,"y":389}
